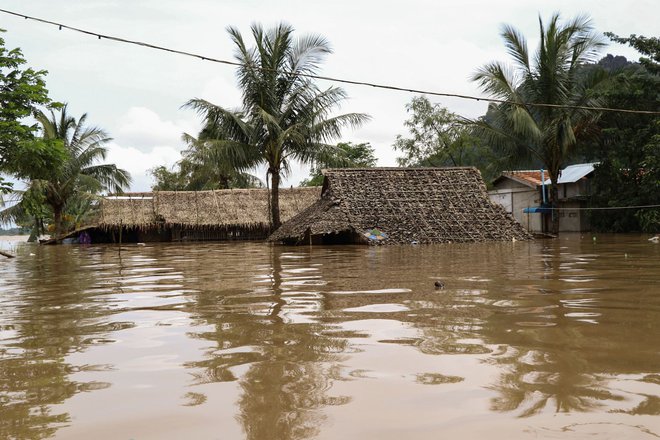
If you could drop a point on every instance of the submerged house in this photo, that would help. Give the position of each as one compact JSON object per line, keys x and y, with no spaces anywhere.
{"x":521,"y":194}
{"x":231,"y":214}
{"x":401,"y":206}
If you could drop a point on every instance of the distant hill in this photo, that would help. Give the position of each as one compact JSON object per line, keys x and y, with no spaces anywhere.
{"x":13,"y":231}
{"x":612,"y":63}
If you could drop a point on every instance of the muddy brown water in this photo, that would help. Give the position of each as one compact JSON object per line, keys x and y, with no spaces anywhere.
{"x":554,"y":339}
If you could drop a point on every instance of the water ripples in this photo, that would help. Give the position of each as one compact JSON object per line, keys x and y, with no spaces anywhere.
{"x":541,"y":322}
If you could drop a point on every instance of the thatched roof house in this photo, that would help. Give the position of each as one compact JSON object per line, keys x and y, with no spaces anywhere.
{"x":197,"y":215}
{"x":409,"y":205}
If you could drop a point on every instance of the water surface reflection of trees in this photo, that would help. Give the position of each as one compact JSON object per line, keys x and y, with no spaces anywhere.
{"x":559,"y":319}
{"x":290,"y":362}
{"x":562,"y":347}
{"x":547,"y":315}
{"x":46,"y":319}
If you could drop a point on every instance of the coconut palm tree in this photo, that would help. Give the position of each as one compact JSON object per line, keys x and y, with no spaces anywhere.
{"x":208,"y":168}
{"x":285,"y":117}
{"x":79,"y":175}
{"x":546,"y":135}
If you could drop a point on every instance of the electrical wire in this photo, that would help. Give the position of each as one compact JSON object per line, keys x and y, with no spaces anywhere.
{"x":602,"y":208}
{"x":325,"y":78}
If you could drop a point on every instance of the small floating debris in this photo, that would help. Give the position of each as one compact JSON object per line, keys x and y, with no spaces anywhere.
{"x":7,"y":254}
{"x":655,"y":239}
{"x":439,"y":284}
{"x":375,"y":235}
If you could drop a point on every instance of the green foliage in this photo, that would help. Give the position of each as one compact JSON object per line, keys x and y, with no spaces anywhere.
{"x":21,"y":91}
{"x":202,"y":167}
{"x":36,"y":159}
{"x":525,"y":133}
{"x":79,"y":210}
{"x":440,"y":138}
{"x":348,"y":155}
{"x":629,"y":146}
{"x":433,"y":129}
{"x":166,"y":180}
{"x":27,"y":209}
{"x":33,"y":202}
{"x":285,"y":116}
{"x":66,"y":185}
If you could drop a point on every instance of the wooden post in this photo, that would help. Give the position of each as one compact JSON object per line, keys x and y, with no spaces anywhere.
{"x":121,"y":227}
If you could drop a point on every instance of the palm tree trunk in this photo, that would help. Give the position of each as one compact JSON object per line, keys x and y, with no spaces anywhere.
{"x":57,"y":220}
{"x":275,"y":199}
{"x":35,"y":231}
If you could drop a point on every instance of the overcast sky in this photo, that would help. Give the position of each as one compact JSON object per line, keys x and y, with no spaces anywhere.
{"x":136,"y":93}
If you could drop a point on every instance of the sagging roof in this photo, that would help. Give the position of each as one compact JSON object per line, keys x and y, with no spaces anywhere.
{"x":423,"y":205}
{"x":247,"y":208}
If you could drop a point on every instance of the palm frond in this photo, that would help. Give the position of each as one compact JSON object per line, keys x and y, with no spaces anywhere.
{"x":525,"y":132}
{"x":516,"y":45}
{"x":498,"y":80}
{"x":12,"y":213}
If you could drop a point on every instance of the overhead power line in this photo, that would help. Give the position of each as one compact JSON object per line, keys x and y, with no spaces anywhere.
{"x":602,"y":208}
{"x":321,"y":77}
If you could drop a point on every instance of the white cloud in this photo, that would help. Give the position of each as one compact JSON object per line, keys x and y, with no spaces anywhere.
{"x":220,"y":91}
{"x":143,"y":129}
{"x":138,"y":162}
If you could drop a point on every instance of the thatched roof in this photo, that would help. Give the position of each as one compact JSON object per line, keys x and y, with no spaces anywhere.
{"x":245,"y":208}
{"x":424,"y":205}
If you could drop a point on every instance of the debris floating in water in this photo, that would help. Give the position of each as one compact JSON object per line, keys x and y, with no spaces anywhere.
{"x":439,"y":285}
{"x":375,"y":234}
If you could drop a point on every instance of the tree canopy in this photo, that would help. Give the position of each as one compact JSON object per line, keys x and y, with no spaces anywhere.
{"x":440,"y":138}
{"x":22,"y":90}
{"x":628,"y":147}
{"x":348,"y":155}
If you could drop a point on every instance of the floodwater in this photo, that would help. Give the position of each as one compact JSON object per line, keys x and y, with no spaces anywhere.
{"x":553,"y":339}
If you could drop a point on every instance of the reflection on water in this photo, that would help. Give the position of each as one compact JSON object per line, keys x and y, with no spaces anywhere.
{"x":255,"y":341}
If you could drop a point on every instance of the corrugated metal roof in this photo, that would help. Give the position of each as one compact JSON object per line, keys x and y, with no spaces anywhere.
{"x":573,"y":173}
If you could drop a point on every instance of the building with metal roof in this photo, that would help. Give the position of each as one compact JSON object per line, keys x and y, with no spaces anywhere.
{"x":522,"y":194}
